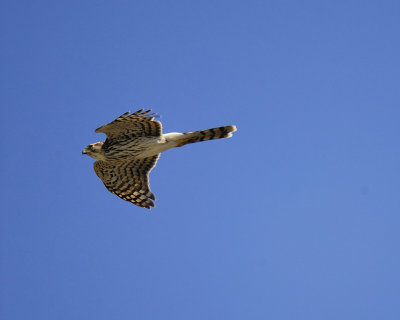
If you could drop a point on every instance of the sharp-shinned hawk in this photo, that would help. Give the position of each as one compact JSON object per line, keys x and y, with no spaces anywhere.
{"x":133,"y":145}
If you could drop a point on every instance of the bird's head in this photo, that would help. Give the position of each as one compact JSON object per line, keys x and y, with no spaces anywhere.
{"x":94,"y":150}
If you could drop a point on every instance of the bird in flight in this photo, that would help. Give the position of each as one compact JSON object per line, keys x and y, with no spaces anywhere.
{"x":131,"y":150}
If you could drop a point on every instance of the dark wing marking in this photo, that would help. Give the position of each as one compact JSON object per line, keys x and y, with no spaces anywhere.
{"x":138,"y":124}
{"x":128,"y":179}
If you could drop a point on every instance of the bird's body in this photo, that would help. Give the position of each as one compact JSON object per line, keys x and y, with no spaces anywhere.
{"x":133,"y":145}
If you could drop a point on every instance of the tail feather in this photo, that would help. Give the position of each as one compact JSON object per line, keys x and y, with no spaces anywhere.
{"x":204,"y":135}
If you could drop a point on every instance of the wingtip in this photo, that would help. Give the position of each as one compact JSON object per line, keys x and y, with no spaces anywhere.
{"x":149,"y":206}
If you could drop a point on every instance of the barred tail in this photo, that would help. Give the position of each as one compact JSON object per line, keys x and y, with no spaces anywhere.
{"x":204,"y":135}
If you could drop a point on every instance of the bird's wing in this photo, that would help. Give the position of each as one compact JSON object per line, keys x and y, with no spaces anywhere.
{"x":128,"y":179}
{"x":138,"y":124}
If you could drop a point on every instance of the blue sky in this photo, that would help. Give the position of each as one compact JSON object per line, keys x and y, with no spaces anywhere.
{"x":295,"y":217}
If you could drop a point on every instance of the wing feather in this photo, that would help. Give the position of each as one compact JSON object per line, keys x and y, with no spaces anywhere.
{"x":128,"y":179}
{"x":138,"y":124}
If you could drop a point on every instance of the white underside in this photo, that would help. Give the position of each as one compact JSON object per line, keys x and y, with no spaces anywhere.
{"x":165,"y":142}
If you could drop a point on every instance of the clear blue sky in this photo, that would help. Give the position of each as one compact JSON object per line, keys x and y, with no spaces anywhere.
{"x":296,"y":217}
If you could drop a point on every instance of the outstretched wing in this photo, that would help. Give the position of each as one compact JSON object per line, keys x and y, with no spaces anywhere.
{"x":128,"y":179}
{"x":138,"y":124}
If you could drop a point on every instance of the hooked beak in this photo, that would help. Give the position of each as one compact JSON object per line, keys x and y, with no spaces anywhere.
{"x":84,"y":151}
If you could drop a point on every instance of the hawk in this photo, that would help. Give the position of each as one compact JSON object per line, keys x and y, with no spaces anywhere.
{"x":133,"y":145}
